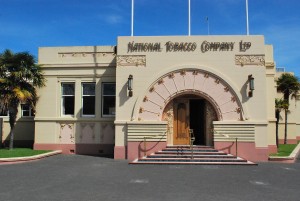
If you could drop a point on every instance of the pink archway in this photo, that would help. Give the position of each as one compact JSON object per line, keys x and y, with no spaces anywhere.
{"x":190,"y":81}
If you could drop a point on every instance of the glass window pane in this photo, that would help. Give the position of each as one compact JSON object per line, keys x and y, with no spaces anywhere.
{"x":3,"y":113}
{"x":25,"y":107}
{"x":88,"y":89}
{"x":88,"y":105}
{"x":68,"y":105}
{"x":109,"y":89}
{"x":109,"y":103}
{"x":25,"y":114}
{"x":68,"y":89}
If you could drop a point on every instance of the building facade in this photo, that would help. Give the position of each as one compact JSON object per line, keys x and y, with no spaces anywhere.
{"x":112,"y":99}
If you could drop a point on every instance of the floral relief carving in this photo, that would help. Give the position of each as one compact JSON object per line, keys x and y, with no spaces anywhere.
{"x":151,"y":89}
{"x":145,"y":99}
{"x":242,"y":60}
{"x":171,"y":75}
{"x":131,"y":60}
{"x":195,"y":72}
{"x":226,"y":89}
{"x":66,"y":135}
{"x":161,"y":81}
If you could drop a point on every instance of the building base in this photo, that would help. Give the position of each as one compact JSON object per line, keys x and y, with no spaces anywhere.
{"x":246,"y":150}
{"x":84,"y":149}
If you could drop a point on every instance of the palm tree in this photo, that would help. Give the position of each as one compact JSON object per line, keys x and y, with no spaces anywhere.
{"x":19,"y":77}
{"x":279,"y":105}
{"x":288,"y":84}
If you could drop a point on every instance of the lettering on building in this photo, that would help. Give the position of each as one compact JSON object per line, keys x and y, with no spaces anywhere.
{"x":144,"y":47}
{"x":216,"y":46}
{"x":244,"y":46}
{"x":171,"y":46}
{"x":180,"y":47}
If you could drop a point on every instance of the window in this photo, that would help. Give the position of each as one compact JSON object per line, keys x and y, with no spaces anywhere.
{"x":3,"y":113}
{"x":26,"y":110}
{"x":108,"y":99}
{"x":88,"y":99}
{"x":68,"y":98}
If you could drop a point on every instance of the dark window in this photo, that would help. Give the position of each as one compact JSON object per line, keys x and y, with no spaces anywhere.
{"x":26,"y":110}
{"x":108,"y":99}
{"x":68,"y":98}
{"x":88,"y":99}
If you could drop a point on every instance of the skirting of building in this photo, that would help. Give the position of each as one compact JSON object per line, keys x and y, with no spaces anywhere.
{"x":84,"y":149}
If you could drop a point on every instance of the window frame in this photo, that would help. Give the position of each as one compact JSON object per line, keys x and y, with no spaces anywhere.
{"x":62,"y":99}
{"x":102,"y":99}
{"x":29,"y":110}
{"x":82,"y":96}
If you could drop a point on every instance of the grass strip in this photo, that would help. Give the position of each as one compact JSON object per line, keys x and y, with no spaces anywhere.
{"x":20,"y":152}
{"x":285,"y":149}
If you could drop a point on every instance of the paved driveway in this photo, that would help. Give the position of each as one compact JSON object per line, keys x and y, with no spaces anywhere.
{"x":86,"y":178}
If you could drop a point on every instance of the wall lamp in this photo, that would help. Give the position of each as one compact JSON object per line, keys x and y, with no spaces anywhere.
{"x":251,"y":85}
{"x":129,"y":85}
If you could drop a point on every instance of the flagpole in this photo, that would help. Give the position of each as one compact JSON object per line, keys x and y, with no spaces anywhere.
{"x":189,"y":17}
{"x":207,"y":20}
{"x":247,"y":18}
{"x":132,"y":16}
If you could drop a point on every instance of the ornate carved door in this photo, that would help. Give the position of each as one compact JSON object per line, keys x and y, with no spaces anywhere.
{"x":181,"y":122}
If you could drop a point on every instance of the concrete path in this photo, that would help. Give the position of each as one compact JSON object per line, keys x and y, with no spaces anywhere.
{"x":86,"y":178}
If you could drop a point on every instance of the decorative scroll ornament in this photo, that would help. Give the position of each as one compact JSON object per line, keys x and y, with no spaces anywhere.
{"x":132,"y":60}
{"x":242,"y":60}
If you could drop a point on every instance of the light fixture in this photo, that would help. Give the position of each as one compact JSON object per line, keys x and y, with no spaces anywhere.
{"x":129,"y":85}
{"x":251,"y":85}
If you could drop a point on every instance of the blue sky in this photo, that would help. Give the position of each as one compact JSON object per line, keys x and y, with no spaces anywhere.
{"x":29,"y":24}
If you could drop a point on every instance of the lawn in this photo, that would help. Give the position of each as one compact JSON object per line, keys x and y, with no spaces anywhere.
{"x":285,"y":149}
{"x":20,"y":152}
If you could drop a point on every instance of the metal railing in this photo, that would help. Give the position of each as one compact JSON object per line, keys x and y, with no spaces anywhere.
{"x":192,"y":140}
{"x":154,"y":136}
{"x":236,"y":141}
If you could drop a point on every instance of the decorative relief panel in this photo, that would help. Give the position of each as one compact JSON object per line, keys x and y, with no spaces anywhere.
{"x":131,"y":60}
{"x":107,"y":133}
{"x":243,"y":60}
{"x":66,"y":135}
{"x":168,"y":116}
{"x":85,"y":54}
{"x":87,"y":133}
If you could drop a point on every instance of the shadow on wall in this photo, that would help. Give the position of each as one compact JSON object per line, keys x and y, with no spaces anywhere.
{"x":23,"y":133}
{"x":244,"y":92}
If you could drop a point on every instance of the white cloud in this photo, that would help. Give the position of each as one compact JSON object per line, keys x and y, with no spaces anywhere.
{"x":114,"y":19}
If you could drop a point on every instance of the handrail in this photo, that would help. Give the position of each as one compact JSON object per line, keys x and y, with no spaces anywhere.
{"x":192,"y":139}
{"x":236,"y":140}
{"x":154,"y":136}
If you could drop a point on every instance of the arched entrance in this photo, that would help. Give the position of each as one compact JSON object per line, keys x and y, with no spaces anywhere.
{"x":190,"y":98}
{"x":189,"y":112}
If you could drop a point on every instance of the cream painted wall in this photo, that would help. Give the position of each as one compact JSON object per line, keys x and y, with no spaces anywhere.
{"x":159,"y":63}
{"x":78,"y":65}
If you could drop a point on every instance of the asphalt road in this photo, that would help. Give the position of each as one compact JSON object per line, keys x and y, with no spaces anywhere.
{"x":87,"y":178}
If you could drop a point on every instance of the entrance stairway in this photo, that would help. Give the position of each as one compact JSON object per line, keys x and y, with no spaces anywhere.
{"x":198,"y":155}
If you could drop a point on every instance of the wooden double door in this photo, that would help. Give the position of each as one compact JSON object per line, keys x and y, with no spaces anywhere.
{"x":188,"y":114}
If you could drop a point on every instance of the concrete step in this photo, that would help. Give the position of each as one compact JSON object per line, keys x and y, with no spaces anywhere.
{"x":192,"y":160}
{"x":182,"y":155}
{"x":189,"y":156}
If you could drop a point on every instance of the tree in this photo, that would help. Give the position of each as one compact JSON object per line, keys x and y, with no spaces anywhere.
{"x":288,"y":84}
{"x":280,"y":104}
{"x":19,"y":78}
